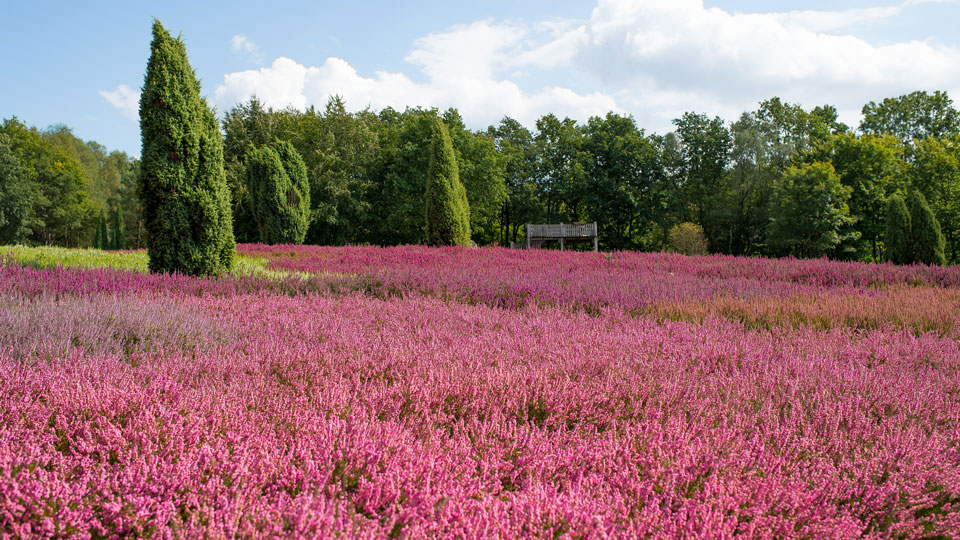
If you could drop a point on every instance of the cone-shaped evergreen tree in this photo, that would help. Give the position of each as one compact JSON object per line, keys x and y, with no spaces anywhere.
{"x":447,"y":210}
{"x":897,"y":239}
{"x":926,"y":239}
{"x":117,"y":241}
{"x":100,"y":235}
{"x":279,"y":193}
{"x":183,"y":190}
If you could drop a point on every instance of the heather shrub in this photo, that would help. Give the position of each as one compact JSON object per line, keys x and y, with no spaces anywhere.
{"x":688,"y":239}
{"x":51,"y":328}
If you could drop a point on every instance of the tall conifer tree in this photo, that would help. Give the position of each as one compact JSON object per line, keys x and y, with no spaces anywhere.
{"x":897,"y":239}
{"x":100,"y":240}
{"x":447,"y":210}
{"x":927,"y":241}
{"x":117,"y":241}
{"x":183,"y":190}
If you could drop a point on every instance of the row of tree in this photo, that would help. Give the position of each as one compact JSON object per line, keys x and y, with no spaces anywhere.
{"x":54,"y":186}
{"x":781,"y":180}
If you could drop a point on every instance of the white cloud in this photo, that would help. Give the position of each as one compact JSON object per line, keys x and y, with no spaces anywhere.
{"x":651,"y":58}
{"x":656,"y":51}
{"x":246,"y":49}
{"x":462,"y":67}
{"x":124,"y":98}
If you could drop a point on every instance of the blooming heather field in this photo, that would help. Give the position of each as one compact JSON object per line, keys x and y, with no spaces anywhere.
{"x":479,"y":393}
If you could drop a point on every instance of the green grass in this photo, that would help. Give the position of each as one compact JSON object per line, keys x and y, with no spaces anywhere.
{"x":132,"y":261}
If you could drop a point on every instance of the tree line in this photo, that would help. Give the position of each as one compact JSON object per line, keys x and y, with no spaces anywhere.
{"x":779,"y":181}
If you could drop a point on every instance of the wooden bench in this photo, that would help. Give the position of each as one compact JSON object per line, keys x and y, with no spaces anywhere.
{"x":562,"y":233}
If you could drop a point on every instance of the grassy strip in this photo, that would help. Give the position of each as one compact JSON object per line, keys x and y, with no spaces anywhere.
{"x":131,"y":261}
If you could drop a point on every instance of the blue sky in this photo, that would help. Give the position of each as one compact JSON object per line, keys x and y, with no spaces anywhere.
{"x":82,"y":63}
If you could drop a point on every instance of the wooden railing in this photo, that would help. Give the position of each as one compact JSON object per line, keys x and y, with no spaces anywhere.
{"x":562,"y":230}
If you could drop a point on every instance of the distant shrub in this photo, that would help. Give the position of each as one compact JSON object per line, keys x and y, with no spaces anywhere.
{"x":688,"y":239}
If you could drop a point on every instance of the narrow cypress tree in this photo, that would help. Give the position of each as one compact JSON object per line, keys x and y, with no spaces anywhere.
{"x":183,"y":190}
{"x":897,"y":239}
{"x":100,"y":235}
{"x":279,"y":193}
{"x":118,"y":241}
{"x":927,"y":241}
{"x":447,"y":210}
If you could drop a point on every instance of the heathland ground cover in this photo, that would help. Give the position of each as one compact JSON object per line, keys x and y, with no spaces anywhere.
{"x":455,"y":392}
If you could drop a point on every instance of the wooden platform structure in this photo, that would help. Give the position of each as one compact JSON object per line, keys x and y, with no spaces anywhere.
{"x":562,"y":233}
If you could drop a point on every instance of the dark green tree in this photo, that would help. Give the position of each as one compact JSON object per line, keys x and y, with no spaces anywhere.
{"x":61,"y":212}
{"x":183,"y":190}
{"x":897,"y":237}
{"x":514,"y":143}
{"x":926,"y":240}
{"x":279,"y":193}
{"x":623,"y":168}
{"x":809,"y":213}
{"x":100,"y":238}
{"x":17,"y":193}
{"x":706,"y":146}
{"x":117,"y":240}
{"x":871,"y":166}
{"x":447,"y":211}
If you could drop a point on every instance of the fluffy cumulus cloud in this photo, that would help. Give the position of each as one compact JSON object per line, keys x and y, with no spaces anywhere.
{"x":649,"y":58}
{"x":124,"y":98}
{"x":680,"y":55}
{"x":467,"y":67}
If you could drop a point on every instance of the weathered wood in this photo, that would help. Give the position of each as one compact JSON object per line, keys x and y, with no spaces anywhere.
{"x":562,"y":230}
{"x":537,"y":234}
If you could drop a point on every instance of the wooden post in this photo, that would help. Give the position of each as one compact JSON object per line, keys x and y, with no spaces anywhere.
{"x":528,"y":236}
{"x":561,"y":243}
{"x":596,"y":237}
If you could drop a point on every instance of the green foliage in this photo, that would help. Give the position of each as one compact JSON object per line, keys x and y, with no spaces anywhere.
{"x":183,"y":190}
{"x":706,"y":146}
{"x":622,"y":167}
{"x":61,"y":210}
{"x":809,"y":213}
{"x":118,"y":232}
{"x":871,"y":166}
{"x":481,"y":171}
{"x":897,"y":237}
{"x":515,"y":145}
{"x":279,"y":193}
{"x":445,"y":202}
{"x":935,"y":172}
{"x":912,"y":116}
{"x":926,"y":239}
